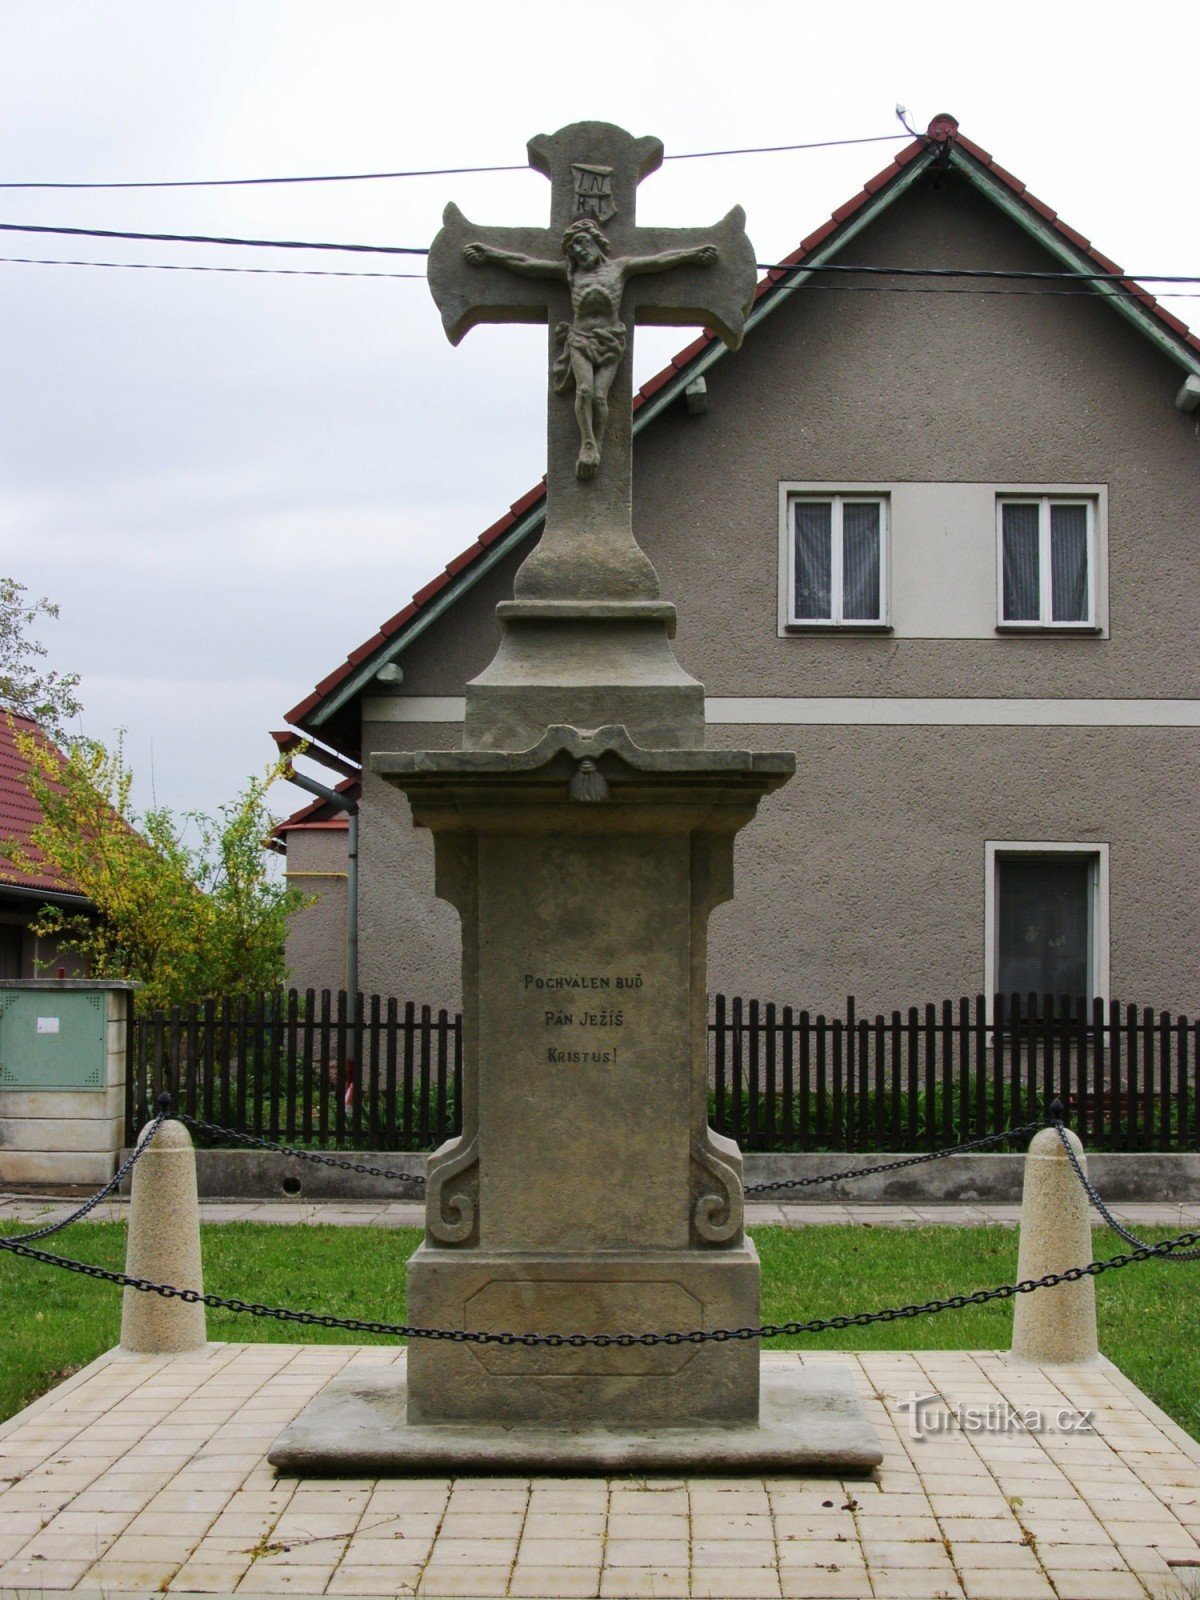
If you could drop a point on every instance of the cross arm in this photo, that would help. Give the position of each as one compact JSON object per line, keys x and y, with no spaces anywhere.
{"x":468,"y":288}
{"x":480,"y":254}
{"x":703,"y":255}
{"x":714,"y":294}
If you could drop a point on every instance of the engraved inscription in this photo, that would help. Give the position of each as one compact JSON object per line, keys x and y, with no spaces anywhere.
{"x":588,"y":1016}
{"x":583,"y":980}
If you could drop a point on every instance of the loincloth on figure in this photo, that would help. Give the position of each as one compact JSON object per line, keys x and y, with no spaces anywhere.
{"x":603,"y":347}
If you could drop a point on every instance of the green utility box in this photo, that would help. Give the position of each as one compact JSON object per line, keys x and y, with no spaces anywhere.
{"x":53,"y":1038}
{"x":62,"y":1079}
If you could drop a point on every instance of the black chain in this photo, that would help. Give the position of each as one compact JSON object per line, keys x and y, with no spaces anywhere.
{"x":110,"y":1187}
{"x":299,"y":1155}
{"x":905,"y":1161}
{"x":755,"y":1188}
{"x":1090,"y":1191}
{"x":619,"y":1341}
{"x":1181,"y":1248}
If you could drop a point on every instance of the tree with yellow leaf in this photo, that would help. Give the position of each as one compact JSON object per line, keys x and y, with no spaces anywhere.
{"x":186,"y":907}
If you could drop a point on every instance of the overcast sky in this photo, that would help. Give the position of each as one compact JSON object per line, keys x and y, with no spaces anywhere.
{"x":228,"y":481}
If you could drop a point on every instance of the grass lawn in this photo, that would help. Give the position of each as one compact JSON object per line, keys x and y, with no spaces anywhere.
{"x":53,"y":1322}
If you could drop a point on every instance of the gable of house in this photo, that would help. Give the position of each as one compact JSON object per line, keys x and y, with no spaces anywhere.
{"x":938,"y":749}
{"x":869,"y":230}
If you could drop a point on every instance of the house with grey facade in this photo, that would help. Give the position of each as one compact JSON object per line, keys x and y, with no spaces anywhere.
{"x":938,"y":535}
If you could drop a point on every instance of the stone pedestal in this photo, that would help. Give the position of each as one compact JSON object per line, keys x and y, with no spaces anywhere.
{"x":584,"y":835}
{"x":586,"y":1192}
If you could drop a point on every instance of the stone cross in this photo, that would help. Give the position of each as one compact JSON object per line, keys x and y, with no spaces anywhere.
{"x":584,"y":833}
{"x":592,"y":274}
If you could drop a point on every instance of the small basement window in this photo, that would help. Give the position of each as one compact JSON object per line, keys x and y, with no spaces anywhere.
{"x":1048,"y":907}
{"x":837,"y":561}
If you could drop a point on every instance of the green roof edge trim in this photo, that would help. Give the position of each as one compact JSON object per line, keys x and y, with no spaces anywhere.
{"x":1049,"y":237}
{"x":428,"y":614}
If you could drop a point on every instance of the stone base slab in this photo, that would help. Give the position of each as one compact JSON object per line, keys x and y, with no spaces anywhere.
{"x":606,"y":1292}
{"x":811,"y":1422}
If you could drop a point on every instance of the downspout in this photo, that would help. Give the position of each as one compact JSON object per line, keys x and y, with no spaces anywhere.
{"x":352,"y":925}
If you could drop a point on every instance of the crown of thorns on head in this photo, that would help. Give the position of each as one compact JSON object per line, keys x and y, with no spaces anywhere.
{"x":585,"y":228}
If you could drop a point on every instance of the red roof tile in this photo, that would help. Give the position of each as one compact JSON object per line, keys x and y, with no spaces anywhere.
{"x":455,"y":567}
{"x":319,"y":813}
{"x":812,"y":240}
{"x":851,"y":206}
{"x":691,"y":351}
{"x":430,"y":589}
{"x":658,"y":381}
{"x":365,"y":650}
{"x":398,"y":621}
{"x":1040,"y":206}
{"x":529,"y":498}
{"x":880,"y":178}
{"x":943,"y":130}
{"x":19,"y":812}
{"x":1075,"y":237}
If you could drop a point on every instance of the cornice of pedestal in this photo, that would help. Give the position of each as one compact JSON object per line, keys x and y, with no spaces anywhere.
{"x":586,"y":772}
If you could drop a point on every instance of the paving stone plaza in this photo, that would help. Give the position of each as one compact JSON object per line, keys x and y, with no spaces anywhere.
{"x":145,"y":1474}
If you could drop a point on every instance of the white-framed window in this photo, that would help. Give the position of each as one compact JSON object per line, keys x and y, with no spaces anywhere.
{"x":1046,"y":910}
{"x":1047,"y":561}
{"x":837,"y":561}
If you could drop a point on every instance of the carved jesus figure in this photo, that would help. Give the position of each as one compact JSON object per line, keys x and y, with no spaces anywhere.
{"x":592,"y":345}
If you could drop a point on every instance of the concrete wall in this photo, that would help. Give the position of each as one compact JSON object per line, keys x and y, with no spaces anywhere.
{"x":1144,"y":1177}
{"x":316,"y":936}
{"x":866,"y":874}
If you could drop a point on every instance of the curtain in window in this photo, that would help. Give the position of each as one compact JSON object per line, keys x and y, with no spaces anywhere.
{"x":860,"y":562}
{"x":1044,"y":905}
{"x":814,"y":564}
{"x":1020,"y":561}
{"x":1068,"y":564}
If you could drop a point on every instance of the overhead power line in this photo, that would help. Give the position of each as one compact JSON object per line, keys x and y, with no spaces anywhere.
{"x":193,"y":266}
{"x":432,"y":172}
{"x":327,"y":272}
{"x":981,"y":272}
{"x":1019,"y":273}
{"x":211,"y":238}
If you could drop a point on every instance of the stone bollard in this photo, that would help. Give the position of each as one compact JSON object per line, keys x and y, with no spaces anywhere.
{"x":164,"y":1245}
{"x":1054,"y":1327}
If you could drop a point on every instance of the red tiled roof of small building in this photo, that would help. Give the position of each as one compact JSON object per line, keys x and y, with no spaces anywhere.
{"x":943,"y":130}
{"x":319,"y":813}
{"x":19,"y":811}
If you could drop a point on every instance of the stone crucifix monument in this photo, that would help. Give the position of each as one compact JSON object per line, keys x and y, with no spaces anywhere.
{"x":584,"y":834}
